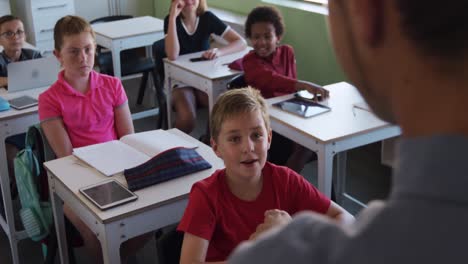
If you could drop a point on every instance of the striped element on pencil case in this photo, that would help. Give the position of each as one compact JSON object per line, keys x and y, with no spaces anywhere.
{"x":170,"y":164}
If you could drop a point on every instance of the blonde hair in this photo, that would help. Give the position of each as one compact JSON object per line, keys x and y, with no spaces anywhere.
{"x":235,"y":102}
{"x":202,"y":7}
{"x":70,"y":25}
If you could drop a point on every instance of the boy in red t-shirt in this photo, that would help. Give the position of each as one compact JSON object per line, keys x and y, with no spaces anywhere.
{"x":226,"y":208}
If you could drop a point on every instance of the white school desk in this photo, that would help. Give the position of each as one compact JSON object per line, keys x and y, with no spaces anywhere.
{"x":343,"y":128}
{"x":157,"y":206}
{"x":210,"y":76}
{"x":13,"y":122}
{"x":128,"y":34}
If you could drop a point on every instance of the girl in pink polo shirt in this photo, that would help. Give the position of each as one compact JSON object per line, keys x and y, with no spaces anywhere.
{"x":82,"y":108}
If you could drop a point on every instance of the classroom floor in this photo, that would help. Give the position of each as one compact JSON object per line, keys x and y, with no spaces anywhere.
{"x":366,"y":179}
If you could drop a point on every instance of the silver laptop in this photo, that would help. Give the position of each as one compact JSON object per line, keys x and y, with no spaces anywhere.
{"x":29,"y":74}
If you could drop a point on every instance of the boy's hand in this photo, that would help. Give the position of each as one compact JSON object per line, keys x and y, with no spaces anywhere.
{"x":313,"y":89}
{"x":176,"y":8}
{"x":212,"y":54}
{"x":273,"y":218}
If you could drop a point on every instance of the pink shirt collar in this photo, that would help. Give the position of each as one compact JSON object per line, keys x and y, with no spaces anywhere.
{"x":94,"y":82}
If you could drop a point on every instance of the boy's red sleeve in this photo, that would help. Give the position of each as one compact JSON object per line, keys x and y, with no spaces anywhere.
{"x":262,"y":76}
{"x":306,"y":196}
{"x":199,"y":218}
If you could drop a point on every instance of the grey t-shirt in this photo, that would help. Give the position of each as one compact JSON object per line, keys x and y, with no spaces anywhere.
{"x":425,"y":219}
{"x":26,"y":54}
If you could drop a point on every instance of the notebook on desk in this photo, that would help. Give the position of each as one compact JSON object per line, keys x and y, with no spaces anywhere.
{"x":132,"y":150}
{"x":29,"y":74}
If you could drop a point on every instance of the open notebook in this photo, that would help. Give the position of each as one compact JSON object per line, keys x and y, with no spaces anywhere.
{"x":131,"y":150}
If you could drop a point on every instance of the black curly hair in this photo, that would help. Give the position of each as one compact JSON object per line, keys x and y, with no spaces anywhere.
{"x":266,"y":14}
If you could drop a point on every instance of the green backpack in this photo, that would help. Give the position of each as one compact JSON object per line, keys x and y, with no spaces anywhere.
{"x":36,"y":215}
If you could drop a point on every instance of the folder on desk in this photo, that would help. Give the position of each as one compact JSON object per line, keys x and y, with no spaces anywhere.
{"x":168,"y":165}
{"x":132,"y":150}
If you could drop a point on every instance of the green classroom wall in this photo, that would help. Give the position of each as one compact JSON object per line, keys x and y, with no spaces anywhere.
{"x":145,"y":7}
{"x":305,"y":31}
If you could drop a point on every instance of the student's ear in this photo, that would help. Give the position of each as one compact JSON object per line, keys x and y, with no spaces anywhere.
{"x":214,"y":146}
{"x":270,"y":136}
{"x":58,"y":56}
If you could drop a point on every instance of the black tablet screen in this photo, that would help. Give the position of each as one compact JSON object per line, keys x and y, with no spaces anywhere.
{"x":107,"y":193}
{"x":23,"y":102}
{"x":302,"y":108}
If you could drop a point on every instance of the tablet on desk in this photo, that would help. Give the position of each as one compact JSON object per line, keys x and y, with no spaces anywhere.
{"x":302,"y":108}
{"x":22,"y":102}
{"x":108,"y":194}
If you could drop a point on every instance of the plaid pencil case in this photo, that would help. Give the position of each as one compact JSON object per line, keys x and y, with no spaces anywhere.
{"x":170,"y":164}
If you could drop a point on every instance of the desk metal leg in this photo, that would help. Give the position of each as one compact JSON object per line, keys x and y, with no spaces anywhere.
{"x":110,"y":243}
{"x":8,"y":224}
{"x":325,"y":169}
{"x":217,"y":88}
{"x":168,"y":89}
{"x":57,"y":207}
{"x":340,"y":186}
{"x":116,"y":60}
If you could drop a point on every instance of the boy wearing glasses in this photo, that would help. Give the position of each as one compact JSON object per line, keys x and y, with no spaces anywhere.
{"x":12,"y":39}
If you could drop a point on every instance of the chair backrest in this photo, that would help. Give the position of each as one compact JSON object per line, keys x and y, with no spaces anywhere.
{"x":109,"y":19}
{"x":237,"y":82}
{"x":159,"y":53}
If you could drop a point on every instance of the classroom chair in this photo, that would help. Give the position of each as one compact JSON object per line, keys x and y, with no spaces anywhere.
{"x":43,"y":153}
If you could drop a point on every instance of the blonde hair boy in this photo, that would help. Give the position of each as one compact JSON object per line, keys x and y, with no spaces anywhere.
{"x":234,"y":102}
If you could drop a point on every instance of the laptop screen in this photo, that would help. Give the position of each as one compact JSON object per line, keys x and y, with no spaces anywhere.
{"x":29,"y":74}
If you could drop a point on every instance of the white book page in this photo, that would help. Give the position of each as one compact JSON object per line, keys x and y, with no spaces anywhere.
{"x":156,"y":141}
{"x":110,"y":157}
